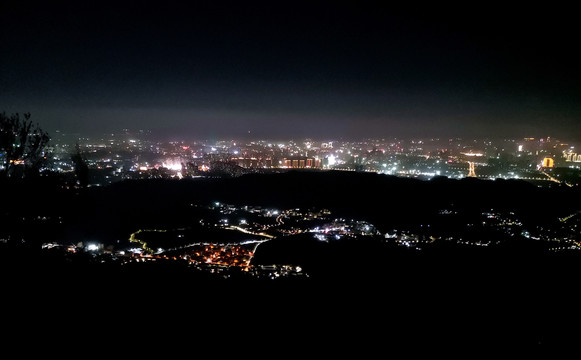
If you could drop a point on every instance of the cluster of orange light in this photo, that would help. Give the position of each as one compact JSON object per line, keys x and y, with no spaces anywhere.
{"x":222,"y":255}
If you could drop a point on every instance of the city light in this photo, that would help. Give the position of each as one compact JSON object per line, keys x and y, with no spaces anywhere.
{"x":278,"y":175}
{"x":417,"y":158}
{"x":332,"y":160}
{"x":172,"y":164}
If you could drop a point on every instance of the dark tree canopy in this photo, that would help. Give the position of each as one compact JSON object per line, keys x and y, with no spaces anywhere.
{"x":22,"y":146}
{"x":81,"y":167}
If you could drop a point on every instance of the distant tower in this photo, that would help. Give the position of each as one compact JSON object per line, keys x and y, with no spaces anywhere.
{"x":471,"y":172}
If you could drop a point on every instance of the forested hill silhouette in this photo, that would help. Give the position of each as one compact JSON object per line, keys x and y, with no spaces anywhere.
{"x":384,"y":199}
{"x":111,"y":213}
{"x":369,"y":280}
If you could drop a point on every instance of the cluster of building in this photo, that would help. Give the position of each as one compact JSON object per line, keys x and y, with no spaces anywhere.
{"x":490,"y":228}
{"x":229,"y":254}
{"x":133,"y":155}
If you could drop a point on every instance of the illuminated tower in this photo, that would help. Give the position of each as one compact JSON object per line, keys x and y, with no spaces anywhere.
{"x":471,"y":155}
{"x":471,"y":172}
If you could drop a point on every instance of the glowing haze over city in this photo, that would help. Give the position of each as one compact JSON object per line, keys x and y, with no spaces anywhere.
{"x":292,"y":71}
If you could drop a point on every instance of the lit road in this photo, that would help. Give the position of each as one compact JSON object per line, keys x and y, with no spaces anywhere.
{"x":555,"y":180}
{"x":279,"y":219}
{"x":258,"y":242}
{"x":249,"y":232}
{"x":569,"y":217}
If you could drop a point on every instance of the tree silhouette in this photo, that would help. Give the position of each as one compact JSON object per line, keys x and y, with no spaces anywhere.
{"x":22,"y":146}
{"x":81,"y":167}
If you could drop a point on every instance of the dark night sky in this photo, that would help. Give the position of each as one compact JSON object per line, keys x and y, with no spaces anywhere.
{"x":291,"y":69}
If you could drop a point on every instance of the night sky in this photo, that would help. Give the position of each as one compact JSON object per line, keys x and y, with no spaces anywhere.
{"x":286,"y":69}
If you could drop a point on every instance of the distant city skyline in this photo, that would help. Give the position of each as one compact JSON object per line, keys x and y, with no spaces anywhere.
{"x":245,"y":138}
{"x":297,"y":70}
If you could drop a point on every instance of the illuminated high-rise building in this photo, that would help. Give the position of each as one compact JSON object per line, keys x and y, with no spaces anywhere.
{"x":301,"y":163}
{"x":548,"y":162}
{"x":572,"y":157}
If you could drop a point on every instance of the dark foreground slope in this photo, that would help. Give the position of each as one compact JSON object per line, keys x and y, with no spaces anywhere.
{"x":361,"y":295}
{"x":385,"y":201}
